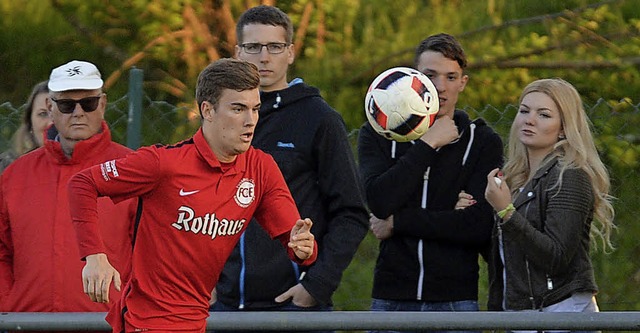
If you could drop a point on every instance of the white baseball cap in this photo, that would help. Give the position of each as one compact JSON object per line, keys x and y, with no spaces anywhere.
{"x":75,"y":75}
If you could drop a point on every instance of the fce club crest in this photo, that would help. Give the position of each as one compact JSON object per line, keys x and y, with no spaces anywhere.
{"x":245,"y":192}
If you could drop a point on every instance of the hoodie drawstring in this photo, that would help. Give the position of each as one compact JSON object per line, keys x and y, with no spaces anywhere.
{"x":471,"y":136}
{"x":278,"y":100}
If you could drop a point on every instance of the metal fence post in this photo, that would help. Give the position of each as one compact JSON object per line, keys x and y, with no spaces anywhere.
{"x":134,"y":121}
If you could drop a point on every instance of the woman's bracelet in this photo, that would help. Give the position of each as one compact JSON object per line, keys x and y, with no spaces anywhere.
{"x":510,"y":208}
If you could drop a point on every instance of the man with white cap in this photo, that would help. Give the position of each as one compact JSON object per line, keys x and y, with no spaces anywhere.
{"x":39,"y":266}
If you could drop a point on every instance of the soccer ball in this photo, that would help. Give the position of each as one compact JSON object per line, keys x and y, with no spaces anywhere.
{"x":401,"y":104}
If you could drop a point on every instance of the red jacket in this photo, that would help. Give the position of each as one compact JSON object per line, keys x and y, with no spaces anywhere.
{"x":40,"y":266}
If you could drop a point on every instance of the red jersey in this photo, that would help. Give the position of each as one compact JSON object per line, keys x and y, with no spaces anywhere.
{"x":193,"y":211}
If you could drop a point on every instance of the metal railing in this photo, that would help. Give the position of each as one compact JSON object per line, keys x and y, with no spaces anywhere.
{"x":351,"y":321}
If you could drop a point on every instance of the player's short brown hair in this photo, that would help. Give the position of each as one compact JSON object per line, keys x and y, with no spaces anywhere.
{"x":445,"y":44}
{"x":225,"y":73}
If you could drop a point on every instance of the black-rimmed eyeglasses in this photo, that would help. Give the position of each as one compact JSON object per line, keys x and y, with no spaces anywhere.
{"x":272,"y":48}
{"x":88,"y":104}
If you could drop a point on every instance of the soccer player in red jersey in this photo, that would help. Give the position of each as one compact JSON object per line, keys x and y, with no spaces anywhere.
{"x":197,"y":198}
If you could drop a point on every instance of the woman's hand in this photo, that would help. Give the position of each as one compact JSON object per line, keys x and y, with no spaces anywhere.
{"x":464,"y":200}
{"x":498,"y":196}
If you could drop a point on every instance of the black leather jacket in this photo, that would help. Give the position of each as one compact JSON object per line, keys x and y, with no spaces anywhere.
{"x":545,"y":243}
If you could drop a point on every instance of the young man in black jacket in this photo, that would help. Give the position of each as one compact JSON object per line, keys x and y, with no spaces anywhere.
{"x":428,"y":258}
{"x":308,"y":140}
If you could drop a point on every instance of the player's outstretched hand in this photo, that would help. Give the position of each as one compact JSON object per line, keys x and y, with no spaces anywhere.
{"x":302,"y":240}
{"x":97,"y":276}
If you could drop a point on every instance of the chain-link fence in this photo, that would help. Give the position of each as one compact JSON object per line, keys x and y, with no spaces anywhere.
{"x":161,"y":122}
{"x":616,"y":133}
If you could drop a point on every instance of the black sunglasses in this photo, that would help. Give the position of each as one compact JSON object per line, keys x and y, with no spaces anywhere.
{"x":88,"y":104}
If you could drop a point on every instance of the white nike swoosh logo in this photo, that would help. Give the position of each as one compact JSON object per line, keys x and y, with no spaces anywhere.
{"x":185,"y":193}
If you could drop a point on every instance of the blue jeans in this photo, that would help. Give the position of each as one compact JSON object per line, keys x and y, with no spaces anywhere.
{"x":286,"y":306}
{"x":390,"y":305}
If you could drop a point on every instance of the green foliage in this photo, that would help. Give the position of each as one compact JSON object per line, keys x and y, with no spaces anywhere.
{"x":354,"y":292}
{"x":617,"y":138}
{"x":29,"y":42}
{"x":508,"y":44}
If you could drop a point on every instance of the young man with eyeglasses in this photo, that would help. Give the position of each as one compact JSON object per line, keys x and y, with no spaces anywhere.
{"x":308,"y":140}
{"x":39,"y":266}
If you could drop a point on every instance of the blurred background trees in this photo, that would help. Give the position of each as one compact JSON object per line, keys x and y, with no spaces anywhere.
{"x":341,"y":45}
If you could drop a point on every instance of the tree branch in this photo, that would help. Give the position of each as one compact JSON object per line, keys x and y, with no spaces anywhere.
{"x":494,"y":62}
{"x":107,"y":47}
{"x":536,"y":19}
{"x":568,"y":64}
{"x":540,"y":51}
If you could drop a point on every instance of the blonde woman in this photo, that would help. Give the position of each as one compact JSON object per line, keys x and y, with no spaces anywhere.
{"x":29,"y":135}
{"x":552,"y":201}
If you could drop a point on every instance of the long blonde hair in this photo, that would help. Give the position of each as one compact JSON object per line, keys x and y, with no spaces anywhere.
{"x":576,"y":151}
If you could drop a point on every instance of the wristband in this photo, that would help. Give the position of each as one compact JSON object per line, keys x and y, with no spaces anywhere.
{"x":506,"y":210}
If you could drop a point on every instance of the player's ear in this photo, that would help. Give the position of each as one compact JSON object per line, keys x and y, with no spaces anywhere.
{"x":464,"y":79}
{"x":207,"y":110}
{"x":292,"y":54}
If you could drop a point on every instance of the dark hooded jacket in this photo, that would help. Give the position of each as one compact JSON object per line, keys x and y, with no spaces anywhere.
{"x":433,"y":253}
{"x":308,"y":140}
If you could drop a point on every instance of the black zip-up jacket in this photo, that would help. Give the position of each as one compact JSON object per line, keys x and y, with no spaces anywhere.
{"x":545,"y":242}
{"x":308,"y":139}
{"x":433,"y":253}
